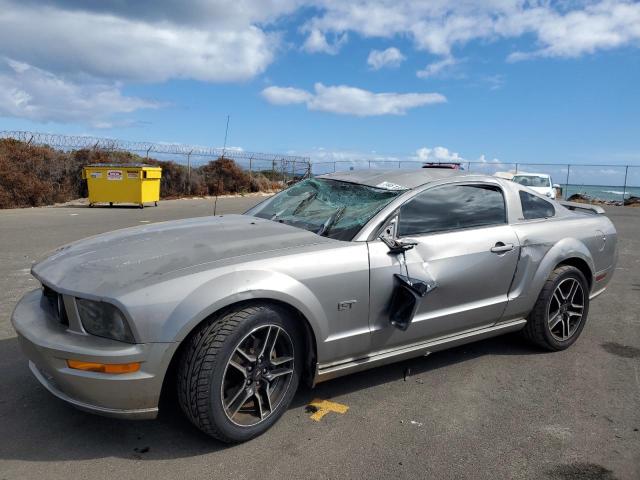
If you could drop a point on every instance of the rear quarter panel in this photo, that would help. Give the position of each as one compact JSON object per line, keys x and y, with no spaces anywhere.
{"x":546,"y":243}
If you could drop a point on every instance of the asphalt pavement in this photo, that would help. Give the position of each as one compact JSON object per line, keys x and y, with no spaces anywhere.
{"x":496,"y":409}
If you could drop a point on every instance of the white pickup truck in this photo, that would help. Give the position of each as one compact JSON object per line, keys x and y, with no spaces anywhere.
{"x":538,"y":182}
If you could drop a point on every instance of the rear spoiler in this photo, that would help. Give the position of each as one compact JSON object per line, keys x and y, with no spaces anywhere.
{"x":583,"y":207}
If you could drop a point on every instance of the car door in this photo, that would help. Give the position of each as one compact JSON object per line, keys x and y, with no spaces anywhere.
{"x":465,"y":245}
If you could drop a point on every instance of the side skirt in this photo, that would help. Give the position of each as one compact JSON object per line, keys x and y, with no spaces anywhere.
{"x":329,"y":371}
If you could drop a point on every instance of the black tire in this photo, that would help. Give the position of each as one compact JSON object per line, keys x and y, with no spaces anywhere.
{"x":537,"y":329}
{"x":204,"y":360}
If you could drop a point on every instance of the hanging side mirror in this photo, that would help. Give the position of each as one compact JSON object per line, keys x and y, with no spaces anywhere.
{"x":407,"y":295}
{"x":408,"y":291}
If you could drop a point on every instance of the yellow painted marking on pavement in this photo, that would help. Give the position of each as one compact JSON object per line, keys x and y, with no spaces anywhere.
{"x":325,"y":406}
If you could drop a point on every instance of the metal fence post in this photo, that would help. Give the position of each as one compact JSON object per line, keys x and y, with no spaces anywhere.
{"x":624,"y":189}
{"x":189,"y":173}
{"x":566,"y":183}
{"x":516,"y":168}
{"x":334,"y":167}
{"x":468,"y":166}
{"x":283,"y":164}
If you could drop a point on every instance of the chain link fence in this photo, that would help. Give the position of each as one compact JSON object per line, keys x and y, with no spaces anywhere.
{"x":195,"y":169}
{"x":278,"y":168}
{"x":616,"y":184}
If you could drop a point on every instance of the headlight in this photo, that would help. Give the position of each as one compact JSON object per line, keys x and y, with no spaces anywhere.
{"x":103,"y":320}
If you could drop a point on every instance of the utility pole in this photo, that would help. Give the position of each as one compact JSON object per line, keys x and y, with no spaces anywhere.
{"x":224,"y":148}
{"x":226,"y":132}
{"x":624,"y":189}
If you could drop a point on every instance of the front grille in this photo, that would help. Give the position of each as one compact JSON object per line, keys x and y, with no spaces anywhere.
{"x":56,"y":303}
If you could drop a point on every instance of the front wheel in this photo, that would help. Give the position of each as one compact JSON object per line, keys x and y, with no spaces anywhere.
{"x":560,"y":313}
{"x":239,"y":372}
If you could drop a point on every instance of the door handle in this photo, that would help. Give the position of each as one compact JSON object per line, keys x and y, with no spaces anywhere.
{"x":501,"y":247}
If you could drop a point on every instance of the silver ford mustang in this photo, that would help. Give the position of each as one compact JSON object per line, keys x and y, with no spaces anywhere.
{"x":334,"y":275}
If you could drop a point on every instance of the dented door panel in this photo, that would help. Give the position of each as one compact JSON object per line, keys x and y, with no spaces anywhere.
{"x":472,"y":283}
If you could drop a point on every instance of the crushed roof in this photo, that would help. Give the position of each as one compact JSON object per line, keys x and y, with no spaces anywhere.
{"x":399,"y":179}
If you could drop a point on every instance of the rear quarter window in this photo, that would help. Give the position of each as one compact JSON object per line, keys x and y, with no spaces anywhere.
{"x":535,"y":207}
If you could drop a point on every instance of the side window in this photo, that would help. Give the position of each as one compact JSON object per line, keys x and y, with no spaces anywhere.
{"x":535,"y":207}
{"x":452,"y":207}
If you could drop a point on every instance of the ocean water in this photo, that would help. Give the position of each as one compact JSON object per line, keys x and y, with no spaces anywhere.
{"x":601,"y":192}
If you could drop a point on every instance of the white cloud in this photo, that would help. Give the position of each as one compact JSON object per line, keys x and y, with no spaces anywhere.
{"x":562,"y":29}
{"x":317,"y":42}
{"x":495,"y":82}
{"x":436,"y":68}
{"x":286,"y":95}
{"x":437,"y":154}
{"x":325,"y":159}
{"x":600,"y":26}
{"x":94,"y":46}
{"x":483,"y":159}
{"x":235,"y":40}
{"x":355,"y":157}
{"x":346,"y":100}
{"x":105,"y":45}
{"x":32,"y":93}
{"x":391,"y":57}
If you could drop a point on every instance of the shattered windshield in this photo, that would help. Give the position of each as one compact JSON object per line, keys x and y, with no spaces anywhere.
{"x":326,"y":207}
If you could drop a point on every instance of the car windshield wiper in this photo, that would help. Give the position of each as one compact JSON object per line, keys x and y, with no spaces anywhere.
{"x":303,"y":204}
{"x":277,"y":214}
{"x":331,"y":221}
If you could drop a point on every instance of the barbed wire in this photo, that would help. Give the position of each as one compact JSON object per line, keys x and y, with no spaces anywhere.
{"x":76,"y":142}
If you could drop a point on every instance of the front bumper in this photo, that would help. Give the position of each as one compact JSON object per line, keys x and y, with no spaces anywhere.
{"x":48,"y":344}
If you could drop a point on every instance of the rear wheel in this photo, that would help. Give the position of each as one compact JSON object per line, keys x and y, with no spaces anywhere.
{"x":239,"y":372}
{"x":560,"y":313}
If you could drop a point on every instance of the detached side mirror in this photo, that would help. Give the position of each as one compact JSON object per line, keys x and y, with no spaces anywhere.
{"x":555,"y":185}
{"x":391,"y":240}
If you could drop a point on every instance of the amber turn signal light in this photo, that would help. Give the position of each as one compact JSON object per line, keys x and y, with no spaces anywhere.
{"x":104,"y":367}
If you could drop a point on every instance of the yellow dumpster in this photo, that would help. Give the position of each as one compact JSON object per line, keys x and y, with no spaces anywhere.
{"x":122,"y":183}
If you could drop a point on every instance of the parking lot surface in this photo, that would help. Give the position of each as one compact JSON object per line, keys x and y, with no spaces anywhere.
{"x":493,"y":409}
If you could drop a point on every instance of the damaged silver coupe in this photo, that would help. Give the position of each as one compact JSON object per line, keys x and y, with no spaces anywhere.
{"x":336,"y":274}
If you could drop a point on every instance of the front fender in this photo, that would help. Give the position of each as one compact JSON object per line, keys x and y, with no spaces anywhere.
{"x":242,"y":285}
{"x":537,"y":261}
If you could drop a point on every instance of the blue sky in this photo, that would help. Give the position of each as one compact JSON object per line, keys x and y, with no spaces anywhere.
{"x":551,"y":82}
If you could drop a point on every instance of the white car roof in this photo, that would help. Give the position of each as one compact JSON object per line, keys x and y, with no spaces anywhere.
{"x":528,"y":174}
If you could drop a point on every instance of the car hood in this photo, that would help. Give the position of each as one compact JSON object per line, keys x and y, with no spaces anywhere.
{"x":125,"y":259}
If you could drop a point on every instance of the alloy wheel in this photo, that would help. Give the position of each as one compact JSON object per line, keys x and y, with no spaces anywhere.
{"x":257,"y":375}
{"x":566,"y":309}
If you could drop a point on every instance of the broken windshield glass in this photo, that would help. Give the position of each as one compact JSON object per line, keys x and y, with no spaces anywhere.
{"x":330,"y":208}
